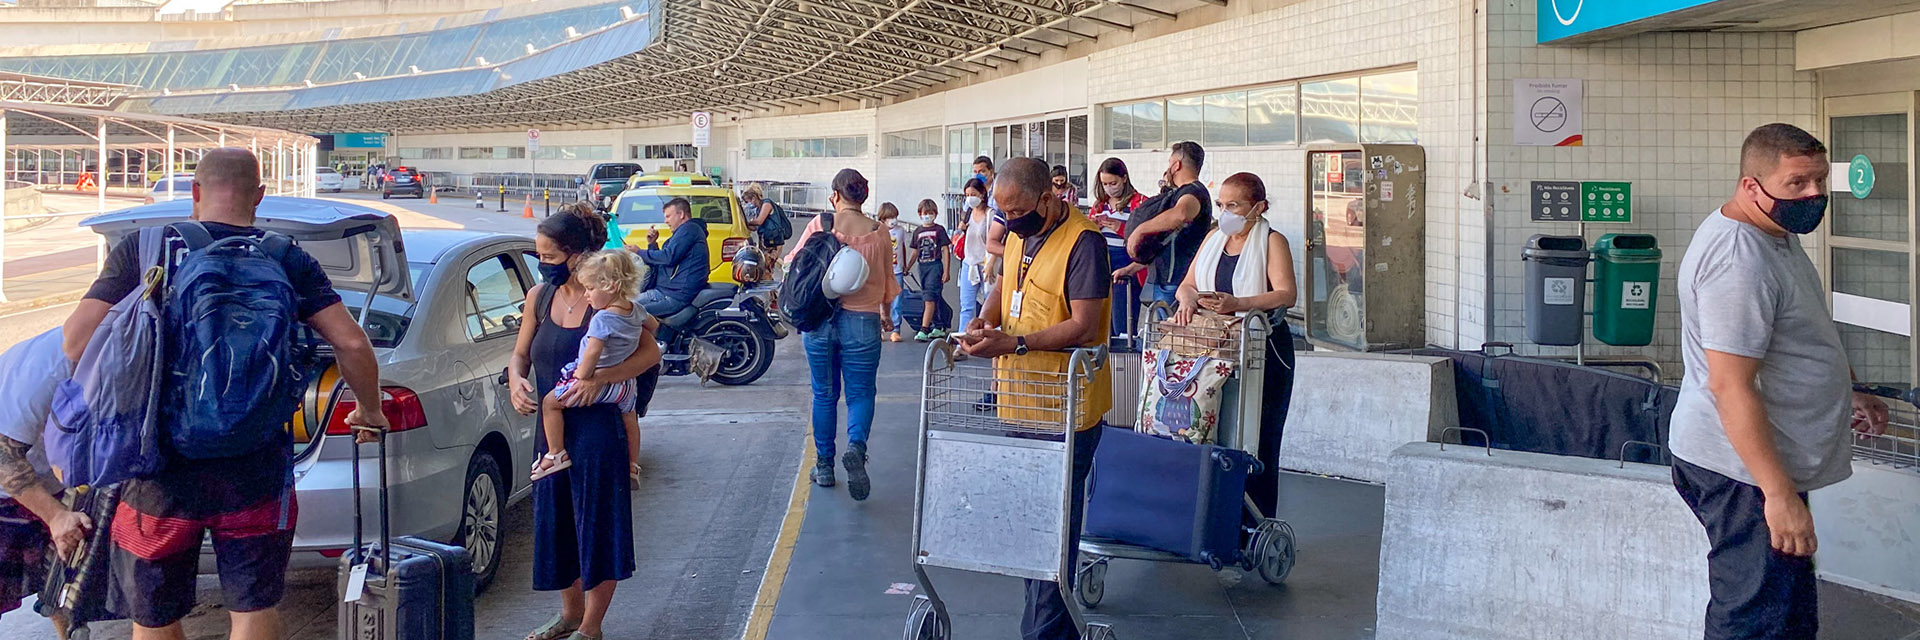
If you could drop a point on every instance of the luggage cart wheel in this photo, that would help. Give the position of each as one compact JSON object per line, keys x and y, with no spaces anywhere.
{"x":79,"y":633}
{"x":1091,"y":585}
{"x":1275,"y":553}
{"x":1099,"y":631}
{"x":926,"y":623}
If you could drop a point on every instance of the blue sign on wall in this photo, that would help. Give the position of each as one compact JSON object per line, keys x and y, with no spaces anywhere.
{"x":1565,"y":18}
{"x":359,"y":140}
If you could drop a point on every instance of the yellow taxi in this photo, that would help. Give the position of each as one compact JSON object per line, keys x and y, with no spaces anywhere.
{"x":670,"y":178}
{"x":643,"y":208}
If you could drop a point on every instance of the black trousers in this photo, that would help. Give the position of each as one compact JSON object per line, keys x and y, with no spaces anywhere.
{"x":1046,"y":616}
{"x":1758,"y":592}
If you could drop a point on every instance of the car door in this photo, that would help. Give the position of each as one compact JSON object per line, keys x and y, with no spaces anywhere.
{"x":495,"y":300}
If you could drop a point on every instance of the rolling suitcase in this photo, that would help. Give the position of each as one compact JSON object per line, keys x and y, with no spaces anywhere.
{"x":1181,"y":498}
{"x":409,"y":588}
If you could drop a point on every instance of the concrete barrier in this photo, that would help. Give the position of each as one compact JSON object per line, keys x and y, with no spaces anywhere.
{"x":1351,"y":410}
{"x":1525,"y":546}
{"x":22,"y":204}
{"x":1869,"y":529}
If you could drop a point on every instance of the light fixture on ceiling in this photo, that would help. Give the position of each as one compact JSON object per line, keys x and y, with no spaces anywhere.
{"x":309,"y":83}
{"x":626,"y":13}
{"x":414,"y":68}
{"x":572,"y":33}
{"x":359,"y":76}
{"x":531,"y":50}
{"x":233,"y":87}
{"x":480,"y":60}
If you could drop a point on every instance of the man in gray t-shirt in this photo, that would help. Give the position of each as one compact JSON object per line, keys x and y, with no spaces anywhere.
{"x":1764,"y":409}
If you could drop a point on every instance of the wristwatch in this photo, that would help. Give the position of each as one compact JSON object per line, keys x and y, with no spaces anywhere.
{"x":1020,"y":346}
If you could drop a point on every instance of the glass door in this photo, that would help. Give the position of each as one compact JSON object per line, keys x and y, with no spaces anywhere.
{"x":1336,"y":247}
{"x":1870,"y":234}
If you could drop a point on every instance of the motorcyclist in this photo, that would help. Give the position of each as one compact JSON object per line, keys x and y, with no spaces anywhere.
{"x":677,"y":271}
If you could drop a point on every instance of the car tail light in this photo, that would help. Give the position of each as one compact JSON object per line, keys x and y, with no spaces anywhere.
{"x":729,"y":247}
{"x":400,"y":404}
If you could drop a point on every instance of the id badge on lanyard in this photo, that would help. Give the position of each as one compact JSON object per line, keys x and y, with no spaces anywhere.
{"x":1019,"y":296}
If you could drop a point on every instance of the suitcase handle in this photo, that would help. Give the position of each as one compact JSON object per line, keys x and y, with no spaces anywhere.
{"x":1463,"y":440}
{"x":1625,"y":445}
{"x":359,"y":544}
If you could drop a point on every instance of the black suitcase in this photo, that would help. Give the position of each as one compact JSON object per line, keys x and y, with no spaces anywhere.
{"x":1559,"y":408}
{"x":414,"y":589}
{"x":80,"y":591}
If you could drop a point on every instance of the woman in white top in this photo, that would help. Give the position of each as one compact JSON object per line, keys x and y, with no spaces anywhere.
{"x":1246,"y":267}
{"x":973,"y":263}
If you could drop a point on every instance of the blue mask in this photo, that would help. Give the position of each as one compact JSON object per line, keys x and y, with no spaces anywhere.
{"x":1800,"y":215}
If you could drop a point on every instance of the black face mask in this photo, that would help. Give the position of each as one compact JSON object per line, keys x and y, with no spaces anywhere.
{"x":1027,"y":225}
{"x":555,"y":274}
{"x":1797,"y":216}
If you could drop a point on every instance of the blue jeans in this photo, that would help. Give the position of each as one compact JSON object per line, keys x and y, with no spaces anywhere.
{"x":658,"y":304}
{"x":969,"y":295}
{"x":1165,"y":293}
{"x":843,"y":351}
{"x":899,"y":300}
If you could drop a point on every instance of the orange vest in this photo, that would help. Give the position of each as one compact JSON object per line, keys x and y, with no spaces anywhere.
{"x":1032,"y":389}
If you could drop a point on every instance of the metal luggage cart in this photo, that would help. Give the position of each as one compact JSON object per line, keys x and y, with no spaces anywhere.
{"x":1899,"y":447}
{"x":995,"y":471}
{"x":1268,"y":548}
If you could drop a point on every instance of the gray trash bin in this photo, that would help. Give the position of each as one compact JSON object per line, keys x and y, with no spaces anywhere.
{"x":1556,"y":289}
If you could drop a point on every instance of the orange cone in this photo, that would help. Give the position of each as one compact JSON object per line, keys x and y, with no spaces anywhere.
{"x":528,"y":212}
{"x":433,"y":197}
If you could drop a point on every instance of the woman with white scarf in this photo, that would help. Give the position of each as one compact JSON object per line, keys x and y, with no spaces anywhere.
{"x":1246,"y":267}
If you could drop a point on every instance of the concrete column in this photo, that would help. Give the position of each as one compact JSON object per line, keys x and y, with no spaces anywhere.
{"x":166,"y":168}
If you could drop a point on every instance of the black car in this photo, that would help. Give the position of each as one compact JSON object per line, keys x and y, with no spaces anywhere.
{"x":404,"y":181}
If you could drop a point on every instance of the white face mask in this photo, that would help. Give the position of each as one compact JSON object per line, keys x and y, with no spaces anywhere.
{"x":1114,"y":190}
{"x":1232,"y":224}
{"x":973,"y":202}
{"x":926,"y":220}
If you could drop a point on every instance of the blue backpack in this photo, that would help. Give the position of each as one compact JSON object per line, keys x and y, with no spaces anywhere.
{"x":233,"y":315}
{"x":105,"y":424}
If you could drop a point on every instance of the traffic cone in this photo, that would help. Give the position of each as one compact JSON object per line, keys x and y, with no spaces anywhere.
{"x":528,"y":212}
{"x":433,"y":197}
{"x":478,"y":202}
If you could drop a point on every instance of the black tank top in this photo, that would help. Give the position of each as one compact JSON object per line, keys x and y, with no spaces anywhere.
{"x":1223,"y":273}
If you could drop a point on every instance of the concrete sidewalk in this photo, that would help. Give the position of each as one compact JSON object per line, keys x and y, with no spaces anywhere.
{"x":849,"y":553}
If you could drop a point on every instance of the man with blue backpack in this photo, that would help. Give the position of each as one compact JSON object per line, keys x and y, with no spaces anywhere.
{"x":224,"y":455}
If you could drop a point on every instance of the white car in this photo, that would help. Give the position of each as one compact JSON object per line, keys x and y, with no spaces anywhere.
{"x":326,"y":179}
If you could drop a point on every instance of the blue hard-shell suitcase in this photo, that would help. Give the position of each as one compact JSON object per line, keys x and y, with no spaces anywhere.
{"x":420,"y":590}
{"x":1182,"y":498}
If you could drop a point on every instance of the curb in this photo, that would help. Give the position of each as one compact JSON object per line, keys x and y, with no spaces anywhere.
{"x":42,"y":302}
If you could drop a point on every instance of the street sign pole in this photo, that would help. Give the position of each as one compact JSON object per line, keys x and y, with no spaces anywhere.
{"x":702,"y":136}
{"x":533,"y":157}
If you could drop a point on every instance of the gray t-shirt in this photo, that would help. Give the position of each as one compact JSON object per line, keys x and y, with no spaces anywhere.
{"x":34,"y":368}
{"x":621,"y":333}
{"x":1747,"y":293}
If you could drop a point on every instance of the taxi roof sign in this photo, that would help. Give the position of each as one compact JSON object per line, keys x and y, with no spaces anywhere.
{"x":680,"y":181}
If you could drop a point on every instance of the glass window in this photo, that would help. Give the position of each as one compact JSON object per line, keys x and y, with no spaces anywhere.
{"x":1330,"y":110}
{"x":1120,"y":128}
{"x":1077,"y":151}
{"x":1149,"y":125}
{"x":1003,"y":142}
{"x":1271,"y":115}
{"x":1056,"y":147}
{"x":650,"y":208}
{"x":1016,"y":141}
{"x":1876,"y":356}
{"x":1390,"y":108}
{"x":1882,"y":215}
{"x":494,"y":299}
{"x":1226,"y":118}
{"x":1186,"y":119}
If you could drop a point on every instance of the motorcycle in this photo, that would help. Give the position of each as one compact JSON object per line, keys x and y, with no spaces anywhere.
{"x":727,"y":333}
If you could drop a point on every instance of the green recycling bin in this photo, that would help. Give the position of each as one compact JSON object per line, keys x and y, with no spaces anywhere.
{"x":1626,"y":286}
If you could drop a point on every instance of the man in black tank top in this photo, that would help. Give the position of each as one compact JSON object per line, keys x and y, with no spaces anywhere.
{"x":1182,"y":223}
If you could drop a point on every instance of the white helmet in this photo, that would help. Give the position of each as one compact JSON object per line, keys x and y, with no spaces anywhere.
{"x":846,"y":274}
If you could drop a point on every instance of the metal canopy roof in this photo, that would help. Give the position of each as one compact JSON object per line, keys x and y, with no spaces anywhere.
{"x":752,"y":56}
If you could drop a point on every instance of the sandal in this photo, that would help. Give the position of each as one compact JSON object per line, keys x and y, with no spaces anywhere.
{"x":556,"y":462}
{"x":555,"y":629}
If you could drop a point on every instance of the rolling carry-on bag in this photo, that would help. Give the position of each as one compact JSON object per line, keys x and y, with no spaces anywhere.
{"x":402,"y":588}
{"x":1182,"y":498}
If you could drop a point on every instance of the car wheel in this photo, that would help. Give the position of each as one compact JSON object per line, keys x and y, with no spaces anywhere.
{"x":481,"y":511}
{"x":386,"y":196}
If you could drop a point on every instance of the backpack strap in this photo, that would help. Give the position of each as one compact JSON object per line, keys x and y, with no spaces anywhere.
{"x":277,"y":246}
{"x":826,"y":221}
{"x":194,"y":233}
{"x":543,"y":303}
{"x":153,"y":246}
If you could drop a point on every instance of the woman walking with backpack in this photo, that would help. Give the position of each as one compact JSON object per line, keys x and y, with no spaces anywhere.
{"x":844,"y":350}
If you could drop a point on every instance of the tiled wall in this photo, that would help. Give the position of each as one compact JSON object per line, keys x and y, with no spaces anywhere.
{"x":1666,"y":111}
{"x":1319,"y":38}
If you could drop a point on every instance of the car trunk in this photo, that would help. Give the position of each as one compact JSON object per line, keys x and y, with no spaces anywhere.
{"x":360,"y":250}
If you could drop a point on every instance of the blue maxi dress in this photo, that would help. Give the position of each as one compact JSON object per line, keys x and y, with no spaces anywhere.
{"x":582,"y":516}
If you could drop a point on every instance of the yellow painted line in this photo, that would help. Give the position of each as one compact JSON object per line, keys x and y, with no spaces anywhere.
{"x":777,"y":563}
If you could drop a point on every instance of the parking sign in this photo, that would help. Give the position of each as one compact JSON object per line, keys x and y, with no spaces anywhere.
{"x":702,"y":128}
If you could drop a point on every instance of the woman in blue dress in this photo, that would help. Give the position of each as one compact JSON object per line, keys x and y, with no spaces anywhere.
{"x":583,"y":516}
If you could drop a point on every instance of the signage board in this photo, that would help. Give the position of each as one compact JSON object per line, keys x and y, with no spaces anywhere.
{"x":533,"y":140}
{"x":359,"y":140}
{"x":1559,"y":19}
{"x":1606,"y":202}
{"x":1555,"y":201}
{"x":1547,"y":112}
{"x":702,"y":128}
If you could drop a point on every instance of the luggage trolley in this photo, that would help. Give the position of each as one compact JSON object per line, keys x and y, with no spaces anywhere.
{"x":995,"y":471}
{"x":1268,"y":548}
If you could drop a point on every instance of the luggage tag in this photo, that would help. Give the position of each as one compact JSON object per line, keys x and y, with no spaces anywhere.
{"x":356,"y":583}
{"x":1014,"y":303}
